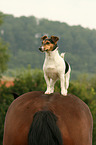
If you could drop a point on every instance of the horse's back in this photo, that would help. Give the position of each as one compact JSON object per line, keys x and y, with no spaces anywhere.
{"x":74,"y":118}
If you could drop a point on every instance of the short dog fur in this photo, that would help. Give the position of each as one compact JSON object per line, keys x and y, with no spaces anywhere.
{"x":54,"y":65}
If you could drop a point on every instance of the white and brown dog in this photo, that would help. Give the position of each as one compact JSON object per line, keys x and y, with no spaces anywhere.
{"x":54,"y":65}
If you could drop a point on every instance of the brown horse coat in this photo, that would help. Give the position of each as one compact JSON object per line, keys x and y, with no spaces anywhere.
{"x":74,"y":118}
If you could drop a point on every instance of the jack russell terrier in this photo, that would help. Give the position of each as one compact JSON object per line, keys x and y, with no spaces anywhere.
{"x":54,"y":65}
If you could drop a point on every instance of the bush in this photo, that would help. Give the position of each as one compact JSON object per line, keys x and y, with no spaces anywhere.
{"x":5,"y":100}
{"x":28,"y":81}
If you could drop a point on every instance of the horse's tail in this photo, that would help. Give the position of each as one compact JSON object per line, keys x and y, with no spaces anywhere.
{"x":44,"y":130}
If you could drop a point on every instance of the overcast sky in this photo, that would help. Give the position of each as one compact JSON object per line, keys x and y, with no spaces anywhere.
{"x":72,"y":12}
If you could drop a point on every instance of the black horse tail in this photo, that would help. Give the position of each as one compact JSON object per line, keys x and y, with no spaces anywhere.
{"x":44,"y":130}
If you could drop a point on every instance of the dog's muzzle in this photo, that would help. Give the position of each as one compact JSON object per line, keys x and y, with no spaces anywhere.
{"x":42,"y":49}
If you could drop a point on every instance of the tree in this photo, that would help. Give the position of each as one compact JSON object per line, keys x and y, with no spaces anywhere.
{"x":1,"y":17}
{"x":4,"y":56}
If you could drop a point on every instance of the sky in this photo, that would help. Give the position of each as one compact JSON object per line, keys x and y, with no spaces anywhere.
{"x":72,"y":12}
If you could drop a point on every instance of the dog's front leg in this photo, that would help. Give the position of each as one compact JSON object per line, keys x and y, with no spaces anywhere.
{"x":63,"y":88}
{"x":52,"y":82}
{"x":48,"y":84}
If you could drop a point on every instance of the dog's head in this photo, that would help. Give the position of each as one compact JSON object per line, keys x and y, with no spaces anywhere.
{"x":48,"y":44}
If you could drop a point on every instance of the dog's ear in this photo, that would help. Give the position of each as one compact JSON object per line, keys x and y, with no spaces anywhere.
{"x":44,"y":37}
{"x":54,"y":39}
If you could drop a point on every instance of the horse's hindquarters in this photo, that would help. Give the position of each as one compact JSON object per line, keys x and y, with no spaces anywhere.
{"x":74,"y":118}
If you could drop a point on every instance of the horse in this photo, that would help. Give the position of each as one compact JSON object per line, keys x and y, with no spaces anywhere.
{"x":35,"y":118}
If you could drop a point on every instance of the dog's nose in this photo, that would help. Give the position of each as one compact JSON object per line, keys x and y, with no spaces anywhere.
{"x":40,"y":49}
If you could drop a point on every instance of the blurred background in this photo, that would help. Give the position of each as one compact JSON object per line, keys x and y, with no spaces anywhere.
{"x":22,"y":24}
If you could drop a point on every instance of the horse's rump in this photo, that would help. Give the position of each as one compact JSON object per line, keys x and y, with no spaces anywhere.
{"x":31,"y":118}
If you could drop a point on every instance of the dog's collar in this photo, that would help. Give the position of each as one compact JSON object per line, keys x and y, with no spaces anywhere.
{"x":56,"y":46}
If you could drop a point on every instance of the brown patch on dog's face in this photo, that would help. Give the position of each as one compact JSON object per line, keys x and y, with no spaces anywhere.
{"x":48,"y":43}
{"x":48,"y":46}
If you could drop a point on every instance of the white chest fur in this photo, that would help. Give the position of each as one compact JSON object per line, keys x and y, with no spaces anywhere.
{"x":53,"y":65}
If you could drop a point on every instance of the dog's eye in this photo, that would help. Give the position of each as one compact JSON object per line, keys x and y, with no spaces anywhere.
{"x":48,"y":43}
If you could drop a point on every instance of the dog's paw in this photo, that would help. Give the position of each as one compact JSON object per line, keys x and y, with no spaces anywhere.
{"x":64,"y":93}
{"x":47,"y":92}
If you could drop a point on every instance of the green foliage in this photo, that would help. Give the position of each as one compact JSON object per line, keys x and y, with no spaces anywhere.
{"x":33,"y":80}
{"x":3,"y":50}
{"x":4,"y":56}
{"x":1,"y":17}
{"x":24,"y":58}
{"x":29,"y":81}
{"x":5,"y":100}
{"x":24,"y":34}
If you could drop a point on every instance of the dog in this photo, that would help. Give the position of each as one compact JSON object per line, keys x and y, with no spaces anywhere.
{"x":54,"y":66}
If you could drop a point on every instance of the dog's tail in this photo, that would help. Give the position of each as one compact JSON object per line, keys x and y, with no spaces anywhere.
{"x":62,"y":55}
{"x":44,"y":130}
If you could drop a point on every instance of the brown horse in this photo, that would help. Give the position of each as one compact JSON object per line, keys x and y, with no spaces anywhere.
{"x":38,"y":119}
